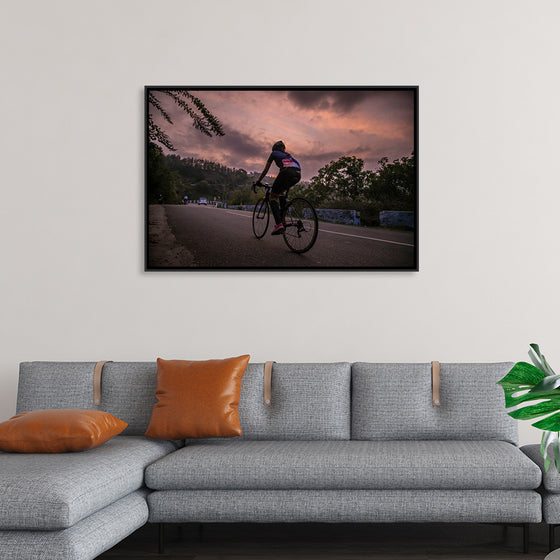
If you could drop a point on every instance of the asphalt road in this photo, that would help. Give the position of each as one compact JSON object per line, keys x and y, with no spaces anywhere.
{"x":218,"y":237}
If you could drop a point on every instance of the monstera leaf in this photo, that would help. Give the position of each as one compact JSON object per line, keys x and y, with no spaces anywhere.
{"x":526,"y":383}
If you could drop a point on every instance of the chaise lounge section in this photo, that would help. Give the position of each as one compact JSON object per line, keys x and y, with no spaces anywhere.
{"x":77,"y":505}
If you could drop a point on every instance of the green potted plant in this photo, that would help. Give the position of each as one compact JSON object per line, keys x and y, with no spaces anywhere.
{"x":526,"y":383}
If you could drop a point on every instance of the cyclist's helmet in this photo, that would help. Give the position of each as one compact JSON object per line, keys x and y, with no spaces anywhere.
{"x":279,"y":146}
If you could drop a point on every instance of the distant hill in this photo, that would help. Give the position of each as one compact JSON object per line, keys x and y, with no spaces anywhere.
{"x":203,"y":178}
{"x":175,"y":177}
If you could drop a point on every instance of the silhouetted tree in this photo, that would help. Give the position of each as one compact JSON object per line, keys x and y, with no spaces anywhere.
{"x":394,"y":181}
{"x":344,"y":178}
{"x":202,"y":118}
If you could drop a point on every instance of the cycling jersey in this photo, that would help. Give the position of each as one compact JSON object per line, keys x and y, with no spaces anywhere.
{"x":283,"y":160}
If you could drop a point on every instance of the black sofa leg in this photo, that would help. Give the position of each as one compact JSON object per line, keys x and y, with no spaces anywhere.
{"x":525,"y":538}
{"x":161,"y":538}
{"x":551,"y":528}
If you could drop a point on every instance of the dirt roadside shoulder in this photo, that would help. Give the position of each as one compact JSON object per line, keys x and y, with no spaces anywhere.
{"x":164,"y":251}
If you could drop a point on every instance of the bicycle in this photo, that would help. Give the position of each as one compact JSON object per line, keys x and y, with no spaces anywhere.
{"x":301,"y":224}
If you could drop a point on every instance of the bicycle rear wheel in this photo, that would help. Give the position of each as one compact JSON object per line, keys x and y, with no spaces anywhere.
{"x":261,"y":217}
{"x":301,"y":225}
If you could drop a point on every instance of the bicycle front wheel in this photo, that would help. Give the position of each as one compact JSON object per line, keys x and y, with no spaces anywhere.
{"x":261,"y":217}
{"x":301,"y":225}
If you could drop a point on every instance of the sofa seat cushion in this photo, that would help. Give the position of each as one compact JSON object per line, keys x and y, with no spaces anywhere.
{"x":55,"y":491}
{"x":290,"y":465}
{"x":85,"y":540}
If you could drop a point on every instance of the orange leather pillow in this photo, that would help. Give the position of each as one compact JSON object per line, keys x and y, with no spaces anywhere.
{"x":58,"y":431}
{"x":197,"y":399}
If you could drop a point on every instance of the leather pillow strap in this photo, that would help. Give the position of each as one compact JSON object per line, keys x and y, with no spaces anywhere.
{"x":435,"y":384}
{"x":97,"y":371}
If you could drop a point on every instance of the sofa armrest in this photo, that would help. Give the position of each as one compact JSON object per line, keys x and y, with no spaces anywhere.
{"x":551,"y":479}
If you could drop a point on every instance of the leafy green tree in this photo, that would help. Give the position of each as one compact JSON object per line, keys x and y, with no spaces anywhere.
{"x":243,"y":195}
{"x":393,"y":182}
{"x":202,"y":118}
{"x":345,"y":183}
{"x":344,"y":178}
{"x":198,"y":178}
{"x":161,"y":181}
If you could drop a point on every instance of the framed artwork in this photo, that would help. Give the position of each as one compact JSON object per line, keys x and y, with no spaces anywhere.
{"x":295,"y":178}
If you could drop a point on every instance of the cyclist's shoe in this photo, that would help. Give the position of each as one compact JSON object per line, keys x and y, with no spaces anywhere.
{"x":278,"y":230}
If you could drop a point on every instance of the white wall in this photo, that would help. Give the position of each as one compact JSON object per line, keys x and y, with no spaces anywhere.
{"x":72,"y":285}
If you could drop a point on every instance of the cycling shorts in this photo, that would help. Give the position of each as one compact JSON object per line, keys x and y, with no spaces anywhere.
{"x":287,"y":178}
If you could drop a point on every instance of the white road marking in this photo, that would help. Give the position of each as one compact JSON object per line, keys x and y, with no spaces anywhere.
{"x":340,"y":233}
{"x":236,"y":214}
{"x":369,"y":238}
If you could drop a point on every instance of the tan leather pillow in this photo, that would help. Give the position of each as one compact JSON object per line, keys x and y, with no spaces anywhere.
{"x":58,"y":431}
{"x":197,"y":399}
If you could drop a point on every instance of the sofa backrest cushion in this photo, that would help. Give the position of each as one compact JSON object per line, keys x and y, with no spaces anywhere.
{"x":127,"y":389}
{"x":309,"y":402}
{"x":44,"y":385}
{"x":394,"y":402}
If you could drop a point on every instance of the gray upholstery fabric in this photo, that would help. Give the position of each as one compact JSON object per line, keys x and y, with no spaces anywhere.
{"x":309,"y":402}
{"x":550,"y":489}
{"x":551,"y":479}
{"x":127,"y":389}
{"x":44,"y":385}
{"x":374,"y":506}
{"x":85,"y":540}
{"x":331,"y":465}
{"x":551,"y":508}
{"x":394,"y":401}
{"x":54,"y":491}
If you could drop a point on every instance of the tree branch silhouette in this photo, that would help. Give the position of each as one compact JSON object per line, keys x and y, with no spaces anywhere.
{"x":203,"y":119}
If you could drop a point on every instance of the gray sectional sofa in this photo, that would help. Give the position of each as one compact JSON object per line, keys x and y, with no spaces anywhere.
{"x":340,"y":442}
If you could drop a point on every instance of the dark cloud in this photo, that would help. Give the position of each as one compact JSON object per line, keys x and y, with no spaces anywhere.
{"x":378,"y":104}
{"x":340,"y":101}
{"x":310,"y":99}
{"x":234,"y":149}
{"x":240,"y":143}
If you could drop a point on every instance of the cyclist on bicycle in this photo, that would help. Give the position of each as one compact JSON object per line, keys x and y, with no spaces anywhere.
{"x":288,"y":176}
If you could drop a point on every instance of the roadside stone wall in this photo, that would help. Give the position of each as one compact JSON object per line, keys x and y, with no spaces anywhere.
{"x":389,"y":218}
{"x":349,"y":217}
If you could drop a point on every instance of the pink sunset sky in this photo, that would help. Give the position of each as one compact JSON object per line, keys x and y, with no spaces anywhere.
{"x":317,"y":126}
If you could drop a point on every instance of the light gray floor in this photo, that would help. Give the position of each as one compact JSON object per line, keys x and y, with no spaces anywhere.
{"x":330,"y":542}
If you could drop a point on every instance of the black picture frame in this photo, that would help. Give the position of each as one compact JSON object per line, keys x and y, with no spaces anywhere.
{"x":185,"y":232}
